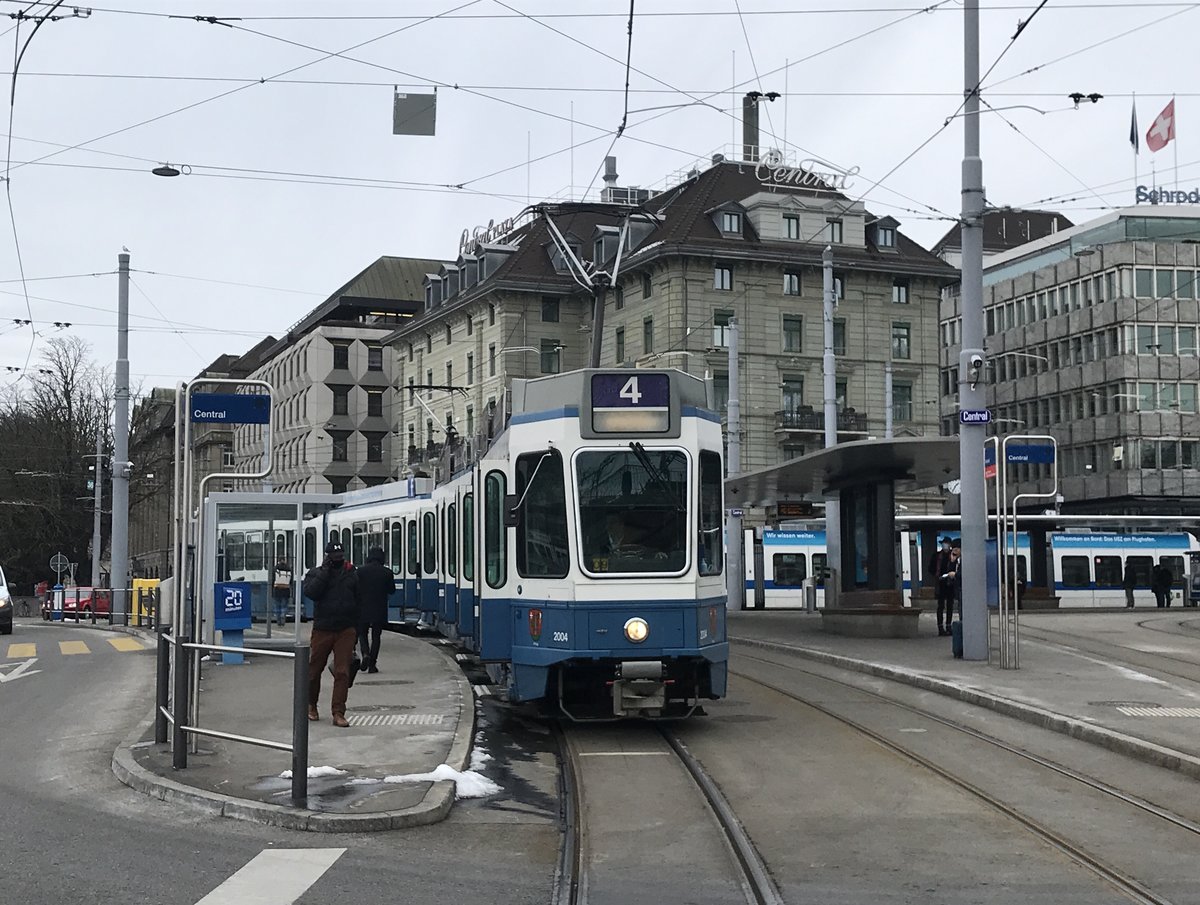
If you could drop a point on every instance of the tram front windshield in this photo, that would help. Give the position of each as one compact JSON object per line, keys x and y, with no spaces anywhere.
{"x":633,"y":510}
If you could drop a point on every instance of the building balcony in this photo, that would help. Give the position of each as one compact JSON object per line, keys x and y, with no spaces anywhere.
{"x":805,"y":420}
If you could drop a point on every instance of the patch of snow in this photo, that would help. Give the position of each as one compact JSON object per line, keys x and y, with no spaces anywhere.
{"x":467,"y":784}
{"x":316,"y":772}
{"x":363,"y":781}
{"x":1137,"y":676}
{"x":479,"y":758}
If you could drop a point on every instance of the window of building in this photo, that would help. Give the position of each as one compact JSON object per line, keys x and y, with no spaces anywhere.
{"x":1143,"y":282}
{"x":1187,"y":398}
{"x":793,"y":329}
{"x":619,"y":297}
{"x":550,"y":309}
{"x":731,"y":222}
{"x":491,"y":315}
{"x":551,"y":356}
{"x":791,"y":284}
{"x":374,"y":358}
{"x":838,"y":287}
{"x":491,"y":360}
{"x":470,"y":368}
{"x":341,"y":400}
{"x":887,"y":237}
{"x":411,"y":391}
{"x":374,"y":447}
{"x":341,"y":356}
{"x":227,"y":460}
{"x":647,"y":286}
{"x":374,"y":403}
{"x":648,"y":336}
{"x":340,"y":441}
{"x":841,"y":393}
{"x":619,"y":344}
{"x":1185,"y":284}
{"x":470,"y":421}
{"x":791,"y":226}
{"x":428,"y":342}
{"x":899,"y":292}
{"x":449,"y":374}
{"x":835,"y":230}
{"x":721,"y":320}
{"x":720,"y":390}
{"x":449,"y":335}
{"x":902,"y":401}
{"x":723,"y":278}
{"x":1164,"y":283}
{"x":839,"y":336}
{"x":470,"y":327}
{"x":412,"y":436}
{"x":429,"y":383}
{"x":793,"y":392}
{"x":901,"y":340}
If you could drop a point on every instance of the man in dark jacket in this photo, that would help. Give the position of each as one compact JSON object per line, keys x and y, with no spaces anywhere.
{"x":333,"y":588}
{"x":1161,"y":580}
{"x":940,"y":568}
{"x":375,"y":584}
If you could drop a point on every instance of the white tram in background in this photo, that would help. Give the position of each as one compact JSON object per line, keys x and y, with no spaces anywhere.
{"x":1088,"y":566}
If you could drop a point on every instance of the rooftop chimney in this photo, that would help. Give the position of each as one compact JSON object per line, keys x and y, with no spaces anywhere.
{"x":750,"y":125}
{"x":610,"y":171}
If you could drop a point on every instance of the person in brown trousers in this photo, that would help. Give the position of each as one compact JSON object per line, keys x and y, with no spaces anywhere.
{"x":333,"y":588}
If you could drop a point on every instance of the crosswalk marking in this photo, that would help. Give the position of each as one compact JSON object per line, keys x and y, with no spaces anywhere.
{"x":126,"y":643}
{"x":73,"y":647}
{"x":22,"y":651}
{"x":275,"y":877}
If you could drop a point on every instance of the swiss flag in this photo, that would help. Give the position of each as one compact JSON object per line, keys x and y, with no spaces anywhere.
{"x":1163,"y":129}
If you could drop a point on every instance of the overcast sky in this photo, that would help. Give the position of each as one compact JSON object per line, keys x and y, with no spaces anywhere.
{"x":866,"y":87}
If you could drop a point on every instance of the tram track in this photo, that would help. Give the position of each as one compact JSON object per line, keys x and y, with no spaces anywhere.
{"x":1115,"y":877}
{"x":573,"y":878}
{"x":1152,"y":661}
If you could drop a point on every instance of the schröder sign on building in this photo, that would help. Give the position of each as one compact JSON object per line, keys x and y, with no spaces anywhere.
{"x":1166,"y":196}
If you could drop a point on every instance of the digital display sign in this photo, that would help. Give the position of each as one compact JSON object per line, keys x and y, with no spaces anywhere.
{"x":631,"y":403}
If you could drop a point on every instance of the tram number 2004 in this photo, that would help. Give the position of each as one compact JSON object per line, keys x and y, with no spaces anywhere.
{"x":561,"y":636}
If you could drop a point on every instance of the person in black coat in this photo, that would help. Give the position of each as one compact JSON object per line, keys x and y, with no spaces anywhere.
{"x":940,"y":568}
{"x":333,"y":588}
{"x":376,"y":584}
{"x":1161,"y":580}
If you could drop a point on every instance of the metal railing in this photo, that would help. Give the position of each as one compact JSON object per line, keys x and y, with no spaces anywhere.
{"x":171,"y":705}
{"x":105,"y":605}
{"x":810,"y":420}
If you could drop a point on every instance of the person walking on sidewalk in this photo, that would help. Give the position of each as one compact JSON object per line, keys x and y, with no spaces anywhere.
{"x":376,"y":584}
{"x":1129,"y":583}
{"x":333,"y":588}
{"x":1161,"y":580}
{"x":940,"y":568}
{"x":281,"y":589}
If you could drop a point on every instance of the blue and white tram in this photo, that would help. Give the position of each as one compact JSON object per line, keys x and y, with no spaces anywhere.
{"x":581,"y":556}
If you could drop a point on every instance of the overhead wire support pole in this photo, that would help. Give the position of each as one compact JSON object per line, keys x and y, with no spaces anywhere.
{"x":833,"y":510}
{"x":119,"y":579}
{"x":735,"y":584}
{"x":972,"y":498}
{"x":97,"y":498}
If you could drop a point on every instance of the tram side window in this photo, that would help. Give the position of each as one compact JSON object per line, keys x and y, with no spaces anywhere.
{"x":346,"y":542}
{"x":711,"y":556}
{"x":358,"y":553}
{"x":374,"y":534}
{"x":235,"y":551}
{"x":820,"y":565}
{"x":1075,"y":572}
{"x":412,"y":547}
{"x":1108,"y":571}
{"x":788,"y":569}
{"x":397,"y":547}
{"x":495,"y":550}
{"x":1142,"y":567}
{"x":468,"y":537}
{"x":255,"y":551}
{"x":542,"y":524}
{"x":1175,"y":564}
{"x":310,"y":547}
{"x":452,"y":540}
{"x":429,"y":530}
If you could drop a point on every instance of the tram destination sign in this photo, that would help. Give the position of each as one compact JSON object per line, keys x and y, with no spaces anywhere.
{"x":633,"y":403}
{"x":231,"y":408}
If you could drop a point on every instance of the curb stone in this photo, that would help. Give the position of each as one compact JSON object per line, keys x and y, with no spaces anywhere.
{"x":434,"y":808}
{"x":1118,"y":742}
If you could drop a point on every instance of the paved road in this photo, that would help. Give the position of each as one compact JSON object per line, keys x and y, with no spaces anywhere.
{"x":69,"y":832}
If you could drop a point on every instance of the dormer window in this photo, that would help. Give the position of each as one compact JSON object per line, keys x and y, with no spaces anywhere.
{"x":731,"y":222}
{"x":791,"y":226}
{"x":835,"y":230}
{"x":886,"y":237}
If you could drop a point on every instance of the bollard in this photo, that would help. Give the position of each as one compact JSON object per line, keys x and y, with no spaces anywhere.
{"x":300,"y":726}
{"x":183,"y":676}
{"x":162,"y":684}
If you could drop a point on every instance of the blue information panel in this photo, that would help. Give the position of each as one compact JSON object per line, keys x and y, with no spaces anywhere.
{"x":231,"y":605}
{"x":1040,"y":455}
{"x":631,"y":402}
{"x":231,"y":408}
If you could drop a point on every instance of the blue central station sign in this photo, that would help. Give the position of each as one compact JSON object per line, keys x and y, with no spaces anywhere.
{"x":230,"y":408}
{"x":974,"y":416}
{"x":1039,"y":455}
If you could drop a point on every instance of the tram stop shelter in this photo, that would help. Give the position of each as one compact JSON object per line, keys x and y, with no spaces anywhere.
{"x":864,"y":475}
{"x":244,"y":535}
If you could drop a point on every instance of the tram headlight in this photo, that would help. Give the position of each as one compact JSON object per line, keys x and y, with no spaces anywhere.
{"x":637,"y":630}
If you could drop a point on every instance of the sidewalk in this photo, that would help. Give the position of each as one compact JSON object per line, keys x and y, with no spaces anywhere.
{"x":1136,"y":710}
{"x":415,"y":716}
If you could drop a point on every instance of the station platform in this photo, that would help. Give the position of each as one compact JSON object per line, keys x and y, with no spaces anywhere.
{"x":399,"y":764}
{"x":1127,"y":680}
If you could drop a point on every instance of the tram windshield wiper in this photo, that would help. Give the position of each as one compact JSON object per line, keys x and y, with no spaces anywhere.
{"x":655,"y":475}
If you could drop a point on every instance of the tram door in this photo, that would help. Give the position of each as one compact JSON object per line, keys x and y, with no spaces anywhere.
{"x":760,"y":594}
{"x":1193,"y":581}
